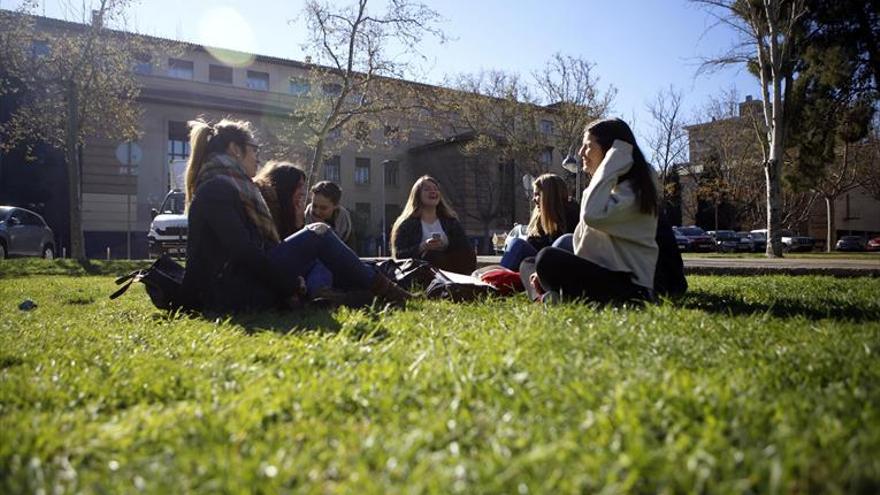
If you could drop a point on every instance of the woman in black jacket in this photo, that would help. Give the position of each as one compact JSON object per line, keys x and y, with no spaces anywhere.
{"x":429,"y":229}
{"x":235,"y":259}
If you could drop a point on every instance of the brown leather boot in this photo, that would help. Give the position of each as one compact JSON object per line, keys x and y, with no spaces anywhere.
{"x":388,"y":291}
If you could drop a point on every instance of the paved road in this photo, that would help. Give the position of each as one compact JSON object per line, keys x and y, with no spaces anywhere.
{"x":765,"y":266}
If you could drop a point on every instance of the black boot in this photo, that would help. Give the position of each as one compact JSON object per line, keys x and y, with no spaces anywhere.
{"x":388,"y":291}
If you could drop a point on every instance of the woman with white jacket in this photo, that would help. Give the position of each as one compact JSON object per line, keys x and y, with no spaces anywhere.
{"x":615,"y":251}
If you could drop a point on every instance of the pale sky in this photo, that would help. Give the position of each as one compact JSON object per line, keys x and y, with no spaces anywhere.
{"x":638,"y":46}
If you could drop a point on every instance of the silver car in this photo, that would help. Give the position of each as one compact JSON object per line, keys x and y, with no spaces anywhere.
{"x":24,"y":233}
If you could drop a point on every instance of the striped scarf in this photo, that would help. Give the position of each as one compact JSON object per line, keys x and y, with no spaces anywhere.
{"x":226,"y":168}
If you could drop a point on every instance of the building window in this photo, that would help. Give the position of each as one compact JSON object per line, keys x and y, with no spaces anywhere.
{"x":361,"y":171}
{"x":180,"y":69}
{"x":40,"y":48}
{"x":331,"y":89}
{"x":178,"y":142}
{"x":392,"y":173}
{"x":258,"y":80}
{"x":143,"y":65}
{"x":547,"y":157}
{"x":364,"y":212}
{"x":220,"y":74}
{"x":332,"y":169}
{"x":546,"y":126}
{"x":299,"y":87}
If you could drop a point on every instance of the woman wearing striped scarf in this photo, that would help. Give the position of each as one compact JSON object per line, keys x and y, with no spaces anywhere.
{"x":235,"y":259}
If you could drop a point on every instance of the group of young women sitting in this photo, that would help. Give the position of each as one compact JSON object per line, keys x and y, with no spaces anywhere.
{"x":252,"y":245}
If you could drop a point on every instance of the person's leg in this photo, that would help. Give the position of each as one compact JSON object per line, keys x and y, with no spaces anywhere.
{"x":297,"y":254}
{"x":517,"y":250}
{"x":318,"y":278}
{"x":577,"y":278}
{"x":566,"y":242}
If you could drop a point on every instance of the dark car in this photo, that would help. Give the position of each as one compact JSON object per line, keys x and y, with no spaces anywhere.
{"x":850,"y":243}
{"x":726,"y":241}
{"x":759,"y":240}
{"x":697,"y":238}
{"x":24,"y":233}
{"x":680,"y":240}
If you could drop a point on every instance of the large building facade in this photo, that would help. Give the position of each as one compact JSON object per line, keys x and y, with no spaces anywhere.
{"x":123,"y":181}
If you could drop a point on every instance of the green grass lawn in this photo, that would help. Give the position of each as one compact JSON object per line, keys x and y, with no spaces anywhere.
{"x":747,"y":385}
{"x":811,"y":255}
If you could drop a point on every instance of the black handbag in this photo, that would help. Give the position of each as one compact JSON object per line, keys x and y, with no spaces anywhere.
{"x":162,"y":280}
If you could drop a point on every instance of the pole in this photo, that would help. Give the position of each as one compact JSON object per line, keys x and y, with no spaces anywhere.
{"x":384,"y":230}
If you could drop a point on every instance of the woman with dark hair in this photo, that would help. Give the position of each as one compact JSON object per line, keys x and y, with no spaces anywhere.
{"x":280,"y":184}
{"x":235,"y":257}
{"x":554,"y":215}
{"x":429,"y":229}
{"x":615,"y":251}
{"x":325,"y":207}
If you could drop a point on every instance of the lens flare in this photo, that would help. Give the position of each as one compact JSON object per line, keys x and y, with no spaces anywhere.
{"x":225,"y":27}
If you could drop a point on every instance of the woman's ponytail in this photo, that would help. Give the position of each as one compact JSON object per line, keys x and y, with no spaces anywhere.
{"x":199,"y":133}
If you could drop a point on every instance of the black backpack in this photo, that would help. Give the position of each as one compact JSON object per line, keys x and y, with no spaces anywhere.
{"x":162,"y":280}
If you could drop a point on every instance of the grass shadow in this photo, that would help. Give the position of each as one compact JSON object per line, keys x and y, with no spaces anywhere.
{"x":781,"y":307}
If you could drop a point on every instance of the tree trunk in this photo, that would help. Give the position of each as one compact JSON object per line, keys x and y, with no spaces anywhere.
{"x":773,"y":170}
{"x":829,"y":222}
{"x":315,"y":166}
{"x":74,"y":177}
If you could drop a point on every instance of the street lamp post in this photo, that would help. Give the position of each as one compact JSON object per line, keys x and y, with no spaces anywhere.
{"x":385,"y":164}
{"x":570,"y":163}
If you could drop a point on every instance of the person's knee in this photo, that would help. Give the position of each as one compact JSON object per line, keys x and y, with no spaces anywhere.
{"x":318,"y":228}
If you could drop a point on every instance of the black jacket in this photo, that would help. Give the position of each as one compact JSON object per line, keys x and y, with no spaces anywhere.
{"x":409,"y":237}
{"x":226,"y":265}
{"x":669,"y":279}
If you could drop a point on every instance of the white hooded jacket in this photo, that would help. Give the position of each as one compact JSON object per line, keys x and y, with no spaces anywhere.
{"x":612,"y":231}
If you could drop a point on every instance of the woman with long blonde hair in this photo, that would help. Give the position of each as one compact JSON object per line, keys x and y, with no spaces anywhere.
{"x":554,"y":215}
{"x":429,"y":229}
{"x":235,"y":258}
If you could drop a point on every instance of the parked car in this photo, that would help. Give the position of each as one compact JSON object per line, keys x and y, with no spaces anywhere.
{"x":790,"y":240}
{"x":759,"y":240}
{"x":873,"y":244}
{"x":726,"y":241}
{"x":169,"y":226}
{"x":746,"y":244}
{"x":697,"y":238}
{"x":24,"y":233}
{"x":680,"y":240}
{"x":850,"y":243}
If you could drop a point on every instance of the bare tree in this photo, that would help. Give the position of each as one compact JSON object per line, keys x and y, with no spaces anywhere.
{"x":667,"y":139}
{"x":769,"y":31}
{"x":569,"y":87}
{"x":364,"y":52}
{"x":77,"y":84}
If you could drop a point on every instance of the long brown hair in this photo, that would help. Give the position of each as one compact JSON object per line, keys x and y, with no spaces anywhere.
{"x":641,"y":175}
{"x":548,"y":217}
{"x":206,"y":138}
{"x":277,"y":182}
{"x":413,"y":206}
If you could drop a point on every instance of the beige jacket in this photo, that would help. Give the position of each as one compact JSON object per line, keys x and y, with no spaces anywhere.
{"x":612,"y":232}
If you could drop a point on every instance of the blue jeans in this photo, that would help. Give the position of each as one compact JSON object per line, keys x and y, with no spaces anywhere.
{"x":517,"y":249}
{"x":565,"y":242}
{"x":298,"y":255}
